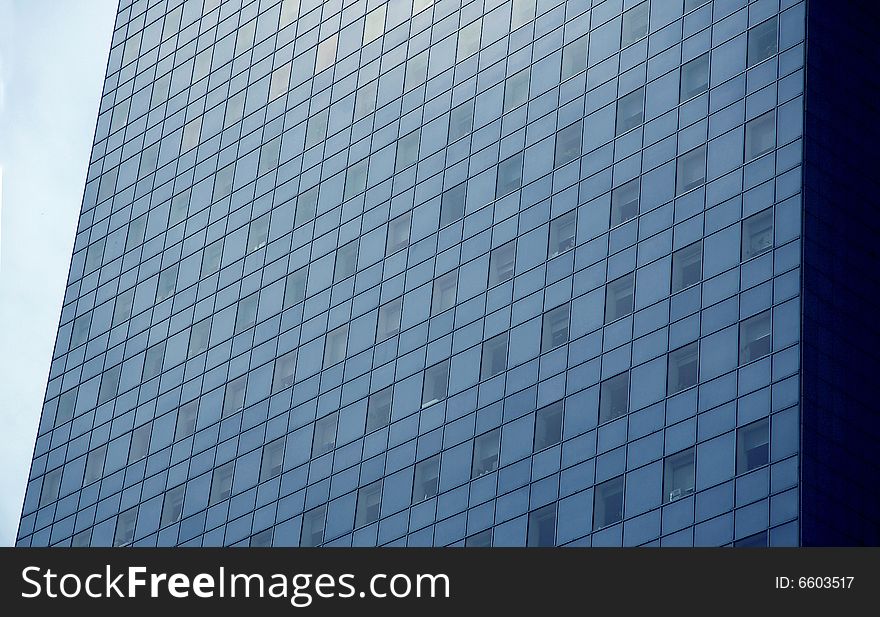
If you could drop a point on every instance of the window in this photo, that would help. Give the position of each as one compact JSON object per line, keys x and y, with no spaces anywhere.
{"x":306,"y":206}
{"x":461,"y":121}
{"x":262,"y":539}
{"x":509,"y":175}
{"x":625,"y":202}
{"x":479,"y":540}
{"x":258,"y":233}
{"x":468,"y":40}
{"x":755,"y":540}
{"x":407,"y":151}
{"x":326,"y":54}
{"x":66,"y":402}
{"x":501,"y":263}
{"x":678,"y":475}
{"x":683,"y":368}
{"x":233,"y":399}
{"x":153,"y":361}
{"x":379,"y":409}
{"x":334,"y":345}
{"x":125,"y":528}
{"x":246,"y":313}
{"x":753,"y":446}
{"x":608,"y":503}
{"x":542,"y":527}
{"x":273,"y":459}
{"x":614,"y":397}
{"x":199,"y":336}
{"x":167,"y":282}
{"x":398,"y":234}
{"x":51,"y":486}
{"x":140,"y":443}
{"x":760,"y":135}
{"x":687,"y":266}
{"x":630,"y":111}
{"x":365,"y":99}
{"x":486,"y":450}
{"x":295,"y":287}
{"x":436,"y":383}
{"x":221,"y":483}
{"x":279,"y":81}
{"x":346,"y":261}
{"x":452,"y":204}
{"x":172,"y":505}
{"x":548,"y":426}
{"x":694,"y":77}
{"x":443,"y":296}
{"x":312,"y":533}
{"x":374,"y":25}
{"x":754,"y":337}
{"x":691,"y":170}
{"x":494,"y":357}
{"x":325,"y":435}
{"x":356,"y":177}
{"x":284,"y":369}
{"x":762,"y":42}
{"x":388,"y":323}
{"x":563,"y":230}
{"x":757,"y":237}
{"x":568,"y":144}
{"x":368,"y":502}
{"x":635,"y":24}
{"x":109,"y":384}
{"x":692,"y":4}
{"x":94,"y":466}
{"x":522,"y":13}
{"x":619,"y":296}
{"x":426,"y":483}
{"x":554,"y":331}
{"x":574,"y":57}
{"x":186,"y":420}
{"x":421,"y":5}
{"x":516,"y":90}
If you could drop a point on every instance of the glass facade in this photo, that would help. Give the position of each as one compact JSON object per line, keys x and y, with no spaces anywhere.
{"x":452,"y":272}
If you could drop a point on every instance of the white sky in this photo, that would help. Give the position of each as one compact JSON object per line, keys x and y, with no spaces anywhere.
{"x":52,"y":59}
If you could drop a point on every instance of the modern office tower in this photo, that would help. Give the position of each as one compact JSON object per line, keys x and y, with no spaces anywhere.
{"x":492,"y":272}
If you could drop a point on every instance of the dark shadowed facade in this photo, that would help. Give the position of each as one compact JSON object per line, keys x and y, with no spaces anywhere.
{"x":480,"y":273}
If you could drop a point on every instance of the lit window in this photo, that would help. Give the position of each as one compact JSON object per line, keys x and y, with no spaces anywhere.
{"x":694,"y":77}
{"x":486,"y":450}
{"x":754,"y":337}
{"x":687,"y":266}
{"x":494,"y":358}
{"x":757,"y":235}
{"x":509,"y":175}
{"x":608,"y":503}
{"x":614,"y":397}
{"x":273,"y":459}
{"x":389,"y":319}
{"x":635,"y":24}
{"x":760,"y":135}
{"x":326,"y":54}
{"x":426,"y":483}
{"x":683,"y":368}
{"x":374,"y":25}
{"x":452,"y":204}
{"x":554,"y":331}
{"x":501,"y":263}
{"x":312,"y":533}
{"x":762,"y":42}
{"x":691,"y":170}
{"x":346,"y":261}
{"x":324,"y":439}
{"x":398,"y":234}
{"x":542,"y":527}
{"x":563,"y":231}
{"x":334,"y":345}
{"x":443,"y":296}
{"x":753,"y":446}
{"x":172,"y":506}
{"x":619,"y":296}
{"x":516,"y":90}
{"x":678,"y":475}
{"x":630,"y":111}
{"x":221,"y":483}
{"x":568,"y":144}
{"x":368,"y":503}
{"x":379,"y":409}
{"x":625,"y":202}
{"x":436,"y":383}
{"x":548,"y":426}
{"x":125,"y":528}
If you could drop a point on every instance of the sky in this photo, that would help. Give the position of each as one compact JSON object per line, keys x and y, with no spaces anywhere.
{"x":52,"y":60}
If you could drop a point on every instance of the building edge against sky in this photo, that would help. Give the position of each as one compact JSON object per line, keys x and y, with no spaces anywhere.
{"x":507,"y":273}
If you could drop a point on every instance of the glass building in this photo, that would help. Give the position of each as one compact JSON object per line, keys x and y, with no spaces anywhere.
{"x":470,"y":273}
